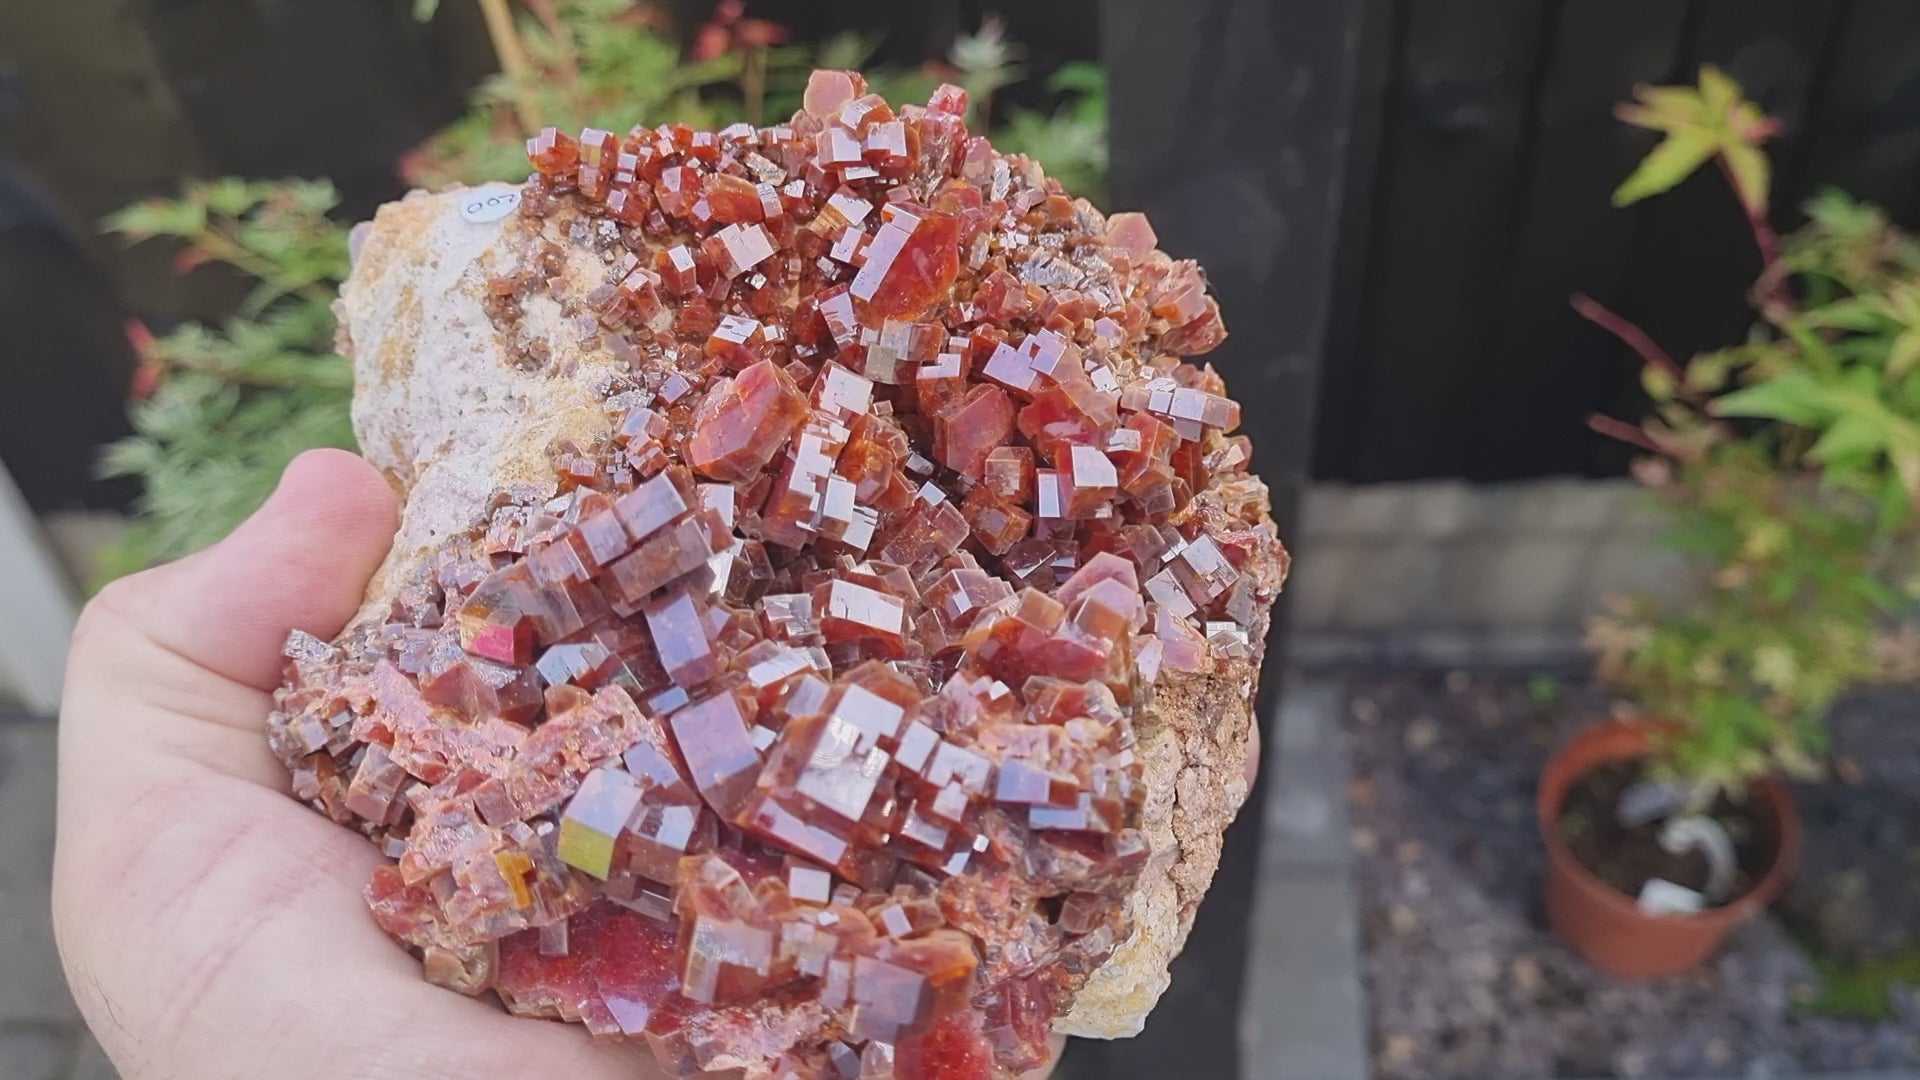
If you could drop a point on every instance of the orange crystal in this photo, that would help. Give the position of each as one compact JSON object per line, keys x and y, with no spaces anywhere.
{"x":741,"y":425}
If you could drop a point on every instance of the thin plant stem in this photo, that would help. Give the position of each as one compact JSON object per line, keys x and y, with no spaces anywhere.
{"x":1631,"y":434}
{"x":1772,"y":283}
{"x":229,"y":250}
{"x":753,"y":82}
{"x":1635,"y":338}
{"x":561,"y":37}
{"x":513,"y":60}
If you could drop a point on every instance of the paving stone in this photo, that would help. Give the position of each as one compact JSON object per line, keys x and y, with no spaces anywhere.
{"x":34,"y":1051}
{"x":32,"y":987}
{"x":1309,"y":720}
{"x":1305,"y":1015}
{"x":1306,"y":811}
{"x":1564,"y":505}
{"x":1429,"y":508}
{"x":1383,"y":564}
{"x":1322,"y":567}
{"x":1631,"y":564}
{"x":1389,"y":588}
{"x":1323,"y":513}
{"x":1369,"y":510}
{"x":1446,"y":573}
{"x":1526,"y":582}
{"x":1438,"y":509}
{"x":91,"y":1062}
{"x":1641,"y":513}
{"x":1461,"y":567}
{"x":1541,"y":649}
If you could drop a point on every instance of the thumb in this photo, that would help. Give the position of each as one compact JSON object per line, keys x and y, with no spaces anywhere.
{"x":301,"y":562}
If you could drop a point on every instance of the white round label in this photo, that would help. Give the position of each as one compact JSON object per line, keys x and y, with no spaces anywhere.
{"x":491,"y":203}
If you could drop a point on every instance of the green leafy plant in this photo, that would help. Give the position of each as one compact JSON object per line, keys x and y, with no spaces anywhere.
{"x":219,"y":411}
{"x":1071,"y":141}
{"x":1858,"y":991}
{"x":1789,"y":465}
{"x":1544,"y":691}
{"x":608,"y":64}
{"x":578,"y":63}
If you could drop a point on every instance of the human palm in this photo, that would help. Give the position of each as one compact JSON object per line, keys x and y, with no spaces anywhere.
{"x":211,"y":927}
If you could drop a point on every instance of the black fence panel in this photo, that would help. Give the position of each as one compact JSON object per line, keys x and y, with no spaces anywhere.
{"x":1480,"y":149}
{"x":1484,"y":153}
{"x":1230,"y":128}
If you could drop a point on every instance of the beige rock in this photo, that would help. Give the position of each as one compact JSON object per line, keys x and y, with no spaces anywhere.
{"x":441,"y":409}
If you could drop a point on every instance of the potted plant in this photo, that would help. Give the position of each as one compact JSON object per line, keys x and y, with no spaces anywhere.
{"x":1788,"y":465}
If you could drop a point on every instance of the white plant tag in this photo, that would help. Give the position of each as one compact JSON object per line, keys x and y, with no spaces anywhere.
{"x":1709,"y":838}
{"x":1649,"y":800}
{"x":487,"y":204}
{"x":1662,"y":897}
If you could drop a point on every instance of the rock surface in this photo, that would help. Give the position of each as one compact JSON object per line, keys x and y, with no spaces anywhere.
{"x":484,"y":400}
{"x":447,"y":418}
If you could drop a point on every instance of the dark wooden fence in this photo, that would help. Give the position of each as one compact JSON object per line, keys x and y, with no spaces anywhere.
{"x":1477,"y":200}
{"x":1482,"y":151}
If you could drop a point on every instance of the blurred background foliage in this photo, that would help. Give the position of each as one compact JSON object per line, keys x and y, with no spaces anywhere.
{"x":1788,"y":465}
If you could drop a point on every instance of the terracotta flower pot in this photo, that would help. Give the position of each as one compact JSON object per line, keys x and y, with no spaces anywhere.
{"x":1608,"y":927}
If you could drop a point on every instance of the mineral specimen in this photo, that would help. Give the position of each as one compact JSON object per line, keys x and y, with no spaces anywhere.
{"x":818,"y":715}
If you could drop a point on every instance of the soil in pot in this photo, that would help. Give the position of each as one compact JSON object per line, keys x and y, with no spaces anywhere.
{"x":1627,"y":858}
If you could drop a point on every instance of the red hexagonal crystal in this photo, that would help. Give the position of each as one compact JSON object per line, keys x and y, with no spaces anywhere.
{"x":733,"y":199}
{"x":967,"y":432}
{"x":910,"y":266}
{"x":712,"y":736}
{"x":742,"y":424}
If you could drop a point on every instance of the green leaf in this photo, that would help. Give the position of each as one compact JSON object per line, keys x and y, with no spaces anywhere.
{"x":1677,"y":157}
{"x":1852,"y":436}
{"x":1906,"y":462}
{"x":1660,"y":385}
{"x":1839,"y":213}
{"x":1850,"y":313}
{"x":262,"y":296}
{"x":1079,"y":77}
{"x":1882,"y":596}
{"x":1752,"y":175}
{"x":1719,"y":94}
{"x":1894,"y":503}
{"x":229,"y":195}
{"x":1544,"y":691}
{"x":158,"y":217}
{"x":423,"y":10}
{"x":1862,"y":993}
{"x":1707,"y":372}
{"x":312,"y":196}
{"x":1795,"y":398}
{"x":1903,"y":355}
{"x":1664,"y":108}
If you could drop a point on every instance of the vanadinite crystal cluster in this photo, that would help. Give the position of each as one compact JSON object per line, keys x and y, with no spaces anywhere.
{"x":791,"y":726}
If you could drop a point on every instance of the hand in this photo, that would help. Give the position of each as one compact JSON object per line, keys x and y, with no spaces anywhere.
{"x":211,"y":927}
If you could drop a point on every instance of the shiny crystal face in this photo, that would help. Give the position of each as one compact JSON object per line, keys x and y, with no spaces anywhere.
{"x":792,"y":728}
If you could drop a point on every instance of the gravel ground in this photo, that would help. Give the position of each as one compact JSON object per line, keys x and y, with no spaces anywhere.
{"x":1464,"y":981}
